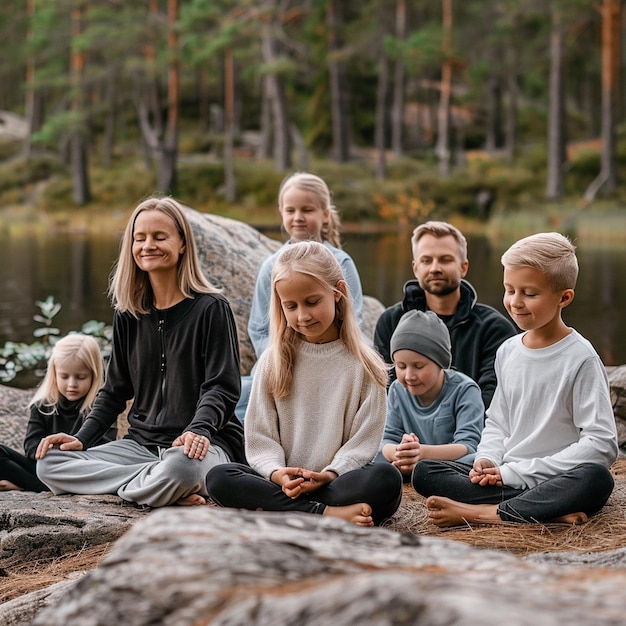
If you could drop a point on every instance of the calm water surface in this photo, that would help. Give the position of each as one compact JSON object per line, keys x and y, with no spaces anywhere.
{"x":75,"y":268}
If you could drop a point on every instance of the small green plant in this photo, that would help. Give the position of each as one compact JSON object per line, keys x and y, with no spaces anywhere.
{"x":16,"y":357}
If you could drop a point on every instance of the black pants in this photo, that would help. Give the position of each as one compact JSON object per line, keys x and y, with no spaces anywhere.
{"x":20,"y":470}
{"x":584,"y":488}
{"x":239,"y":486}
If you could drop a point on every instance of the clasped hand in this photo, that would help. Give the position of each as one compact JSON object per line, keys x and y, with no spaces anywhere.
{"x":295,"y":481}
{"x":484,"y":473}
{"x":407,"y":453}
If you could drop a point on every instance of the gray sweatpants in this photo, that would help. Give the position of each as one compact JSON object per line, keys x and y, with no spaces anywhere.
{"x":130,"y":470}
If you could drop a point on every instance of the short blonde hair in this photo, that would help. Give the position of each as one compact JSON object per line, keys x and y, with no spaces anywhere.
{"x":551,"y":253}
{"x":315,"y":260}
{"x":440,"y":229}
{"x":129,"y":286}
{"x":318,"y":189}
{"x":72,"y":347}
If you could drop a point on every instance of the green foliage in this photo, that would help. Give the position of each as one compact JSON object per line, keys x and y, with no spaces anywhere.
{"x":16,"y":357}
{"x":20,"y":171}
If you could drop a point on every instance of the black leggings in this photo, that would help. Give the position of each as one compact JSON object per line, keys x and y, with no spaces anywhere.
{"x":239,"y":486}
{"x":20,"y":470}
{"x":585,"y":488}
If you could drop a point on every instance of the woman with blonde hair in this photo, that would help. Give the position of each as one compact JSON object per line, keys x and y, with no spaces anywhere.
{"x":317,"y":409}
{"x":175,"y":354}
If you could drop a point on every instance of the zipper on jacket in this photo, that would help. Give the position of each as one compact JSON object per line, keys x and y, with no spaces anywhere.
{"x":162,"y":364}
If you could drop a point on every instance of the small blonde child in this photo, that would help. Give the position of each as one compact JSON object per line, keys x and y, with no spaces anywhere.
{"x":317,"y":408}
{"x":307,"y":212}
{"x":433,"y":412}
{"x":65,"y":396}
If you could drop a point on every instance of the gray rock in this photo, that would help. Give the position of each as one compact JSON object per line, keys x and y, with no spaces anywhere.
{"x":617,"y":381}
{"x":14,"y":416}
{"x":230,"y":253}
{"x":40,"y":525}
{"x":200,"y":566}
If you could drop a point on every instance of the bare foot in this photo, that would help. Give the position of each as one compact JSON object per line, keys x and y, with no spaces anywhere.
{"x":574,"y":519}
{"x":7,"y":485}
{"x":445,"y":512}
{"x":195,"y":499}
{"x":359,"y":514}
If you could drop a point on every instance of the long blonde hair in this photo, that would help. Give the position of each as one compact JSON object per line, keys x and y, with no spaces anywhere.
{"x":315,"y":260}
{"x":319,"y":192}
{"x":129,"y":286}
{"x":72,"y":347}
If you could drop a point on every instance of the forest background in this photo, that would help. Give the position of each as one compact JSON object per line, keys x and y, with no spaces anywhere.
{"x":408,"y":108}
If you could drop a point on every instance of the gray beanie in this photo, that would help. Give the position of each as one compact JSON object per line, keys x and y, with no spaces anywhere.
{"x":423,"y":332}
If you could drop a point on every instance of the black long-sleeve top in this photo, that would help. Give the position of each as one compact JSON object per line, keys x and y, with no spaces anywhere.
{"x":65,"y":418}
{"x":181,"y":368}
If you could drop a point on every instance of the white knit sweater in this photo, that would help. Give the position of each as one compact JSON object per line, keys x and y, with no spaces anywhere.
{"x":333,"y":418}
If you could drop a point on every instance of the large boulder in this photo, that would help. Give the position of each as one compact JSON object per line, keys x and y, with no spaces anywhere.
{"x":230,"y":253}
{"x":37,"y":526}
{"x":617,"y":381}
{"x":215,"y":566}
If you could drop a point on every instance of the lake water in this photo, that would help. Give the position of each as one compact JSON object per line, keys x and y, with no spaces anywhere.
{"x":75,"y":268}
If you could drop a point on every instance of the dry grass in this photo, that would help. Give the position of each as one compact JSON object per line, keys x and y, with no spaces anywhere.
{"x":23,"y":578}
{"x":604,"y":531}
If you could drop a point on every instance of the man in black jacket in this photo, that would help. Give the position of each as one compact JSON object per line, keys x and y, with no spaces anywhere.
{"x":476,"y":330}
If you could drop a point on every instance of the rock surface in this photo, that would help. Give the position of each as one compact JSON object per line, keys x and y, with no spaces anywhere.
{"x":42,"y":526}
{"x":617,"y":381}
{"x":231,"y":567}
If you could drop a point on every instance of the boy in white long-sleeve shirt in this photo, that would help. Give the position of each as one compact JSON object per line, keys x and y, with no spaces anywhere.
{"x":550,"y":434}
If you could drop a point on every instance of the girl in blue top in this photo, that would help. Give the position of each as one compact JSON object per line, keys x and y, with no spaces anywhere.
{"x":308,"y":214}
{"x":433,"y":412}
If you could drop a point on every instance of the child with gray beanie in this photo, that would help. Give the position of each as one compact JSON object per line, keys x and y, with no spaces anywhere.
{"x":433,"y":412}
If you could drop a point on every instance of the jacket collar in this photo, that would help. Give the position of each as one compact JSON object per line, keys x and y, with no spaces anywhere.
{"x":415,"y":298}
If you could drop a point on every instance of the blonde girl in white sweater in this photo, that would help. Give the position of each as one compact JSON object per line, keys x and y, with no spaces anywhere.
{"x":318,"y":404}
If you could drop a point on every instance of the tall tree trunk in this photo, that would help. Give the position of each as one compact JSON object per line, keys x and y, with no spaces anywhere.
{"x":397,"y":106}
{"x":264,"y":150}
{"x":442,"y":149}
{"x":556,"y":116}
{"x":33,"y":104}
{"x":81,"y":192}
{"x":510,"y":138}
{"x":611,"y":32}
{"x":381,"y":116}
{"x":167,"y":177}
{"x":278,"y":100}
{"x":149,"y":107}
{"x":494,"y":114}
{"x":229,"y":106}
{"x":338,"y":92}
{"x":111,"y":117}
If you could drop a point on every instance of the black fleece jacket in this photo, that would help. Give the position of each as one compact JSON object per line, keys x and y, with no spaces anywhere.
{"x":181,"y":368}
{"x":476,"y":332}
